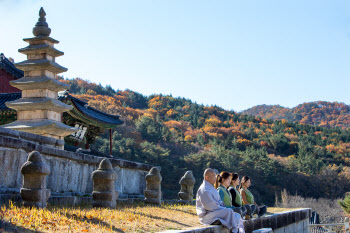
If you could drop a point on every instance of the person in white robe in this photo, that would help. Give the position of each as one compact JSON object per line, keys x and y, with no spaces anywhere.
{"x":210,"y":208}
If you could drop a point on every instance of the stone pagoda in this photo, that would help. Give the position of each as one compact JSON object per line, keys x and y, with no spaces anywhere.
{"x":39,"y":111}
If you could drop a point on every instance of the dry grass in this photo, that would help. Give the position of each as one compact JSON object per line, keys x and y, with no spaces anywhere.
{"x":126,"y":218}
{"x":328,"y":209}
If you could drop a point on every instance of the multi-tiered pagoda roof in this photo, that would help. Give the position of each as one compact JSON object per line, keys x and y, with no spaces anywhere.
{"x":37,"y":107}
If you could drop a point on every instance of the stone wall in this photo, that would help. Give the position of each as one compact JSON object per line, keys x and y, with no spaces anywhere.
{"x":70,"y":172}
{"x":294,"y":221}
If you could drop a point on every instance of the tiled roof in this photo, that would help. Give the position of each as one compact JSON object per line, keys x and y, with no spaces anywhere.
{"x":10,"y":67}
{"x":8,"y":97}
{"x":93,"y":113}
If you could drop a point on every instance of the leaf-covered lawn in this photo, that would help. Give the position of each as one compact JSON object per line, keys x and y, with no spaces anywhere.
{"x":126,"y":218}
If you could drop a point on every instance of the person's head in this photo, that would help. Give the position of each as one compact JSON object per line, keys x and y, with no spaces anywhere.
{"x":245,"y":182}
{"x":224,"y":178}
{"x":235,"y":179}
{"x":209,"y":175}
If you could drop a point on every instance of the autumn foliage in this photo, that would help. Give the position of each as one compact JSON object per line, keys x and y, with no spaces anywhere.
{"x":320,"y":113}
{"x":178,"y":135}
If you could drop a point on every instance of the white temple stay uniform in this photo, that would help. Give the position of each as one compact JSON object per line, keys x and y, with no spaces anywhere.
{"x":210,"y":208}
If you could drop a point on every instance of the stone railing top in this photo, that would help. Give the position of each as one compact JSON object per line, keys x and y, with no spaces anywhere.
{"x":45,"y":145}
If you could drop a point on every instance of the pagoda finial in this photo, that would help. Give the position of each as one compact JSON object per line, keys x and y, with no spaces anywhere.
{"x":41,"y":27}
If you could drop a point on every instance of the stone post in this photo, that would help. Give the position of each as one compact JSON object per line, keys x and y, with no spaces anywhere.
{"x":35,"y":170}
{"x":104,"y":193}
{"x":346,"y":224}
{"x":187,"y":183}
{"x":153,"y":193}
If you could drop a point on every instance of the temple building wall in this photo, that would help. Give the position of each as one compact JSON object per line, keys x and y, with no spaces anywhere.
{"x":5,"y":79}
{"x":70,"y":172}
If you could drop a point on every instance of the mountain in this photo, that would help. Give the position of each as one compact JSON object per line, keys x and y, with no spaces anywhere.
{"x":321,"y":113}
{"x":179,"y":135}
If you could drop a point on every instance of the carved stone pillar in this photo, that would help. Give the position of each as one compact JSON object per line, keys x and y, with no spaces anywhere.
{"x":35,"y":170}
{"x":104,"y":193}
{"x":187,"y":183}
{"x":153,"y":193}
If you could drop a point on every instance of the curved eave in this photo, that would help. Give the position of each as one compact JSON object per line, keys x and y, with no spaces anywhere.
{"x":77,"y":112}
{"x":78,"y":115}
{"x":96,"y":114}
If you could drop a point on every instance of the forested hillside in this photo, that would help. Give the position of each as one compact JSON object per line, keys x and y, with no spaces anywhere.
{"x":321,"y":113}
{"x":180,"y":135}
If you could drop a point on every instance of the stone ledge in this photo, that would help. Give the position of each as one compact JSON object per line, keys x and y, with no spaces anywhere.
{"x":30,"y":142}
{"x":275,"y":221}
{"x":264,"y":230}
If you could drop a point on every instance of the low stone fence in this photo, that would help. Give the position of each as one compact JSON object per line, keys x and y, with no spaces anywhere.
{"x":294,"y":221}
{"x":70,"y":172}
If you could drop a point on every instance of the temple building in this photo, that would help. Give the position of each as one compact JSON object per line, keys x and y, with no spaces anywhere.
{"x":33,"y":100}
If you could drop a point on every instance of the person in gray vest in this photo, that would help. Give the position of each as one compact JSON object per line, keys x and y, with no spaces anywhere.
{"x":237,"y":198}
{"x":248,"y":198}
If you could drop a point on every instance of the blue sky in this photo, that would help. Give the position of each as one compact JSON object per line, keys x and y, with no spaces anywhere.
{"x":235,"y":54}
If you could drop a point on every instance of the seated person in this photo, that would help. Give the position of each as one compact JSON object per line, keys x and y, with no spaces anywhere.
{"x":210,"y":209}
{"x":248,"y":197}
{"x":222,"y":182}
{"x":236,"y":196}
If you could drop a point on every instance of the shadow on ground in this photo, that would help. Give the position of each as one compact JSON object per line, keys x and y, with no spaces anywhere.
{"x":9,"y":227}
{"x":94,"y":221}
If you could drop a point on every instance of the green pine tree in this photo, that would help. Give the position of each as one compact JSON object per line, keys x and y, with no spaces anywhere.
{"x":345,"y":204}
